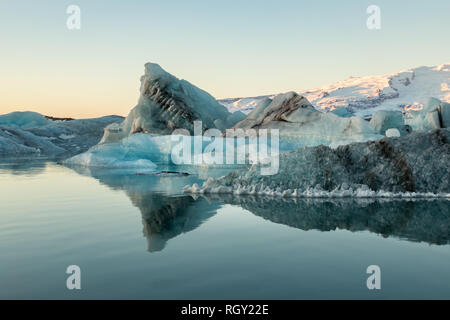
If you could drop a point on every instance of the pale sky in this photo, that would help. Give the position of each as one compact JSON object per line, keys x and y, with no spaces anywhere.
{"x":228,"y":48}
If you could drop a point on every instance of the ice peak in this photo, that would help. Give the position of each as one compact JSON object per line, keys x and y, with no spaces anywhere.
{"x":167,"y":103}
{"x":154,"y":70}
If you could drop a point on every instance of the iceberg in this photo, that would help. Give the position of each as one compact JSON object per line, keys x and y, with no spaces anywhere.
{"x":33,"y":134}
{"x":23,"y":120}
{"x":167,"y":103}
{"x":444,"y":111}
{"x":139,"y":151}
{"x":383,"y":120}
{"x":301,"y":124}
{"x":155,"y":152}
{"x":435,"y":115}
{"x":16,"y":142}
{"x":414,"y":165}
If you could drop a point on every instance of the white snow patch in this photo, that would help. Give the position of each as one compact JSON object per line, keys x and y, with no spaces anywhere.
{"x":404,"y":90}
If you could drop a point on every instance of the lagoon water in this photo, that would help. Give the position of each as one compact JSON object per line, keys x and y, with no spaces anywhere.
{"x":136,"y":236}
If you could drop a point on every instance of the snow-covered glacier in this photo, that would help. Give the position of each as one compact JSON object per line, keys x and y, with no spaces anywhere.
{"x":401,"y":91}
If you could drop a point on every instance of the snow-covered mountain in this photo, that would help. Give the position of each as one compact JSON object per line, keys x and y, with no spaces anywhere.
{"x":404,"y":90}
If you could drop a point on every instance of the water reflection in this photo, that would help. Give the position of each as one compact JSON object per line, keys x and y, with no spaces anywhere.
{"x":22,"y":166}
{"x":166,"y":213}
{"x":166,"y":217}
{"x":414,"y":220}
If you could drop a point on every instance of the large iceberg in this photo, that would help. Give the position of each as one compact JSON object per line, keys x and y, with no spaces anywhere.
{"x":300,"y":123}
{"x":167,"y":103}
{"x":33,"y":134}
{"x":413,"y":165}
{"x":139,"y":151}
{"x":156,"y":152}
{"x":23,"y":120}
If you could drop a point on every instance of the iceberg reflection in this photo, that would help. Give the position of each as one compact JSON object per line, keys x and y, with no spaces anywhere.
{"x":416,"y":220}
{"x":167,"y":213}
{"x":165,"y":217}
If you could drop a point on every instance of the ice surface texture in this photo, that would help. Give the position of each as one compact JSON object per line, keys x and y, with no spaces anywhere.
{"x":32,"y":134}
{"x":148,"y":151}
{"x":140,"y":151}
{"x":298,"y":120}
{"x":15,"y":142}
{"x":415,"y":164}
{"x":383,"y":120}
{"x":23,"y":120}
{"x":435,"y":115}
{"x":167,"y":103}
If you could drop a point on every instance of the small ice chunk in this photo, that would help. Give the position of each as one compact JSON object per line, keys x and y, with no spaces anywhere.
{"x":393,"y":132}
{"x":66,"y":136}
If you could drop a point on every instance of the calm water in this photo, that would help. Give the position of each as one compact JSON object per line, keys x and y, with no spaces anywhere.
{"x":136,"y":236}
